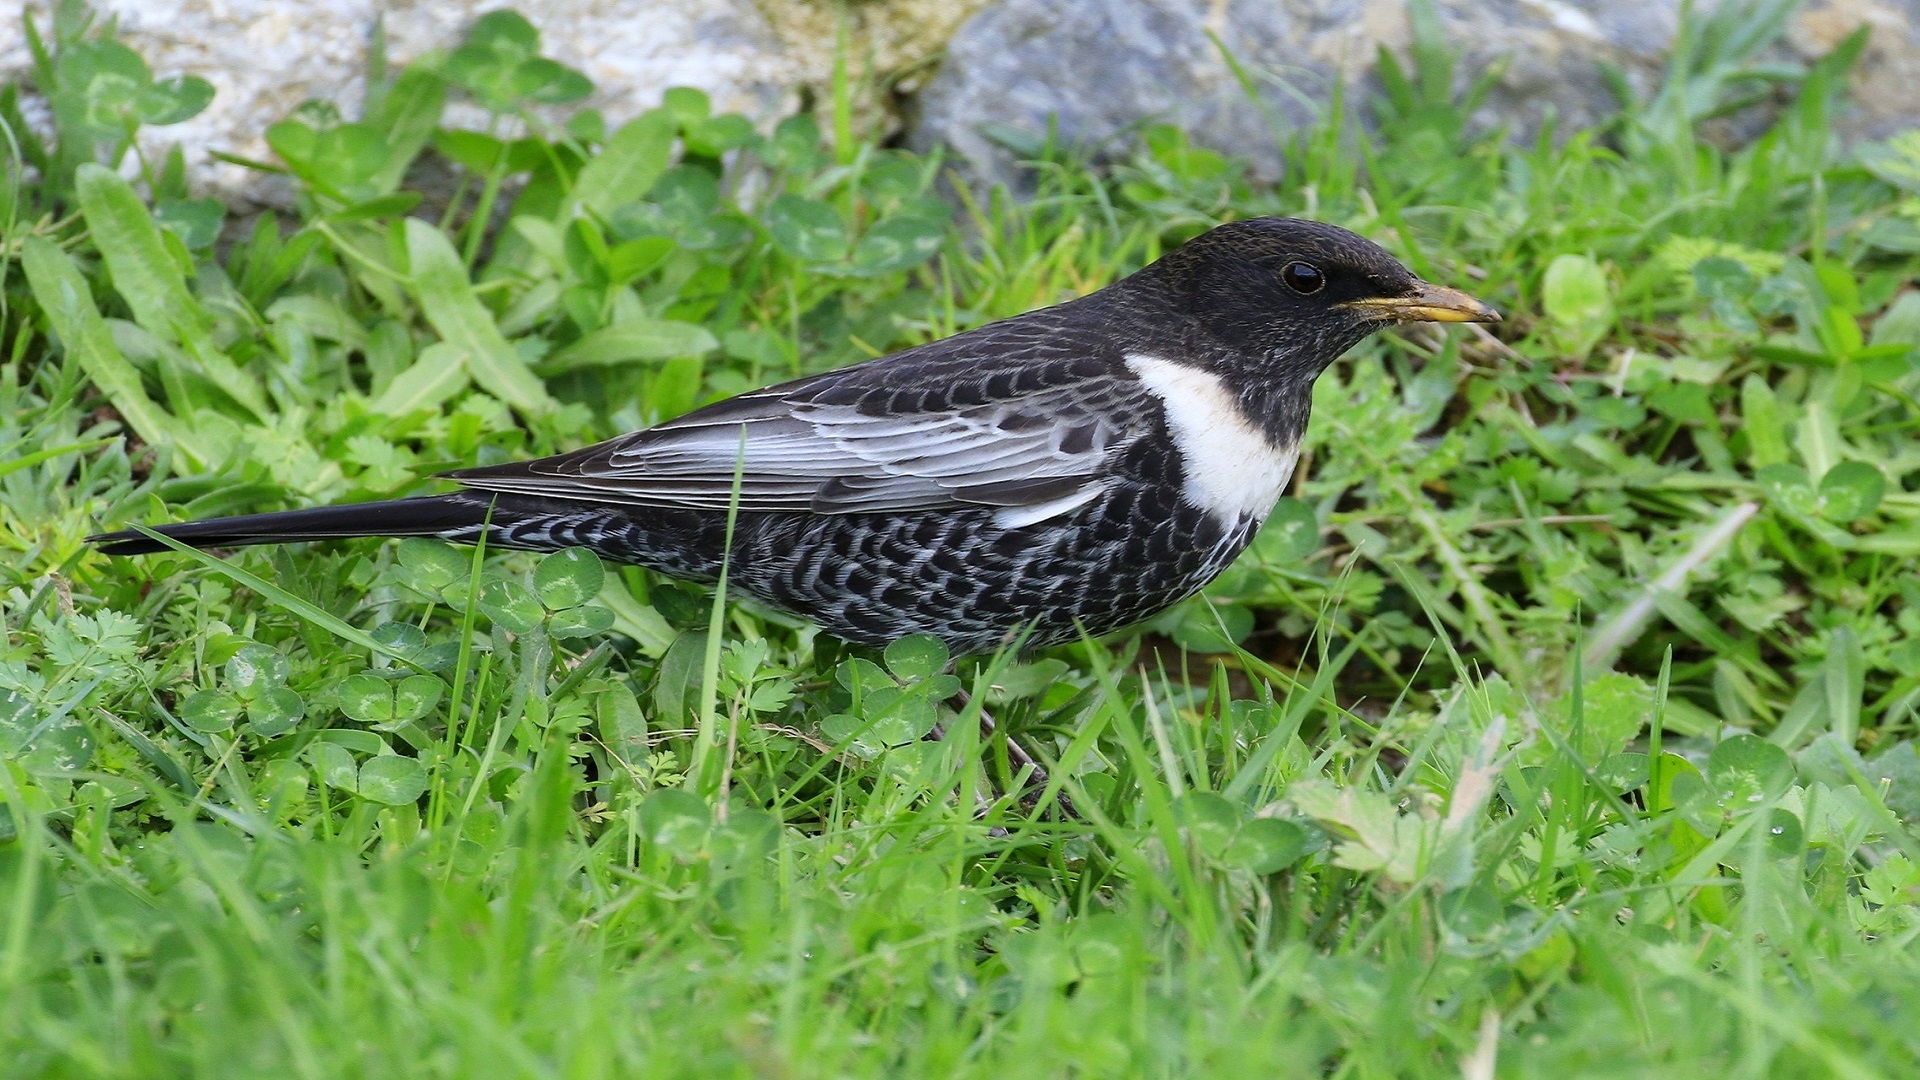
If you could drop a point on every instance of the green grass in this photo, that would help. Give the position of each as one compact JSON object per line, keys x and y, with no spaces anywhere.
{"x":1562,"y":721}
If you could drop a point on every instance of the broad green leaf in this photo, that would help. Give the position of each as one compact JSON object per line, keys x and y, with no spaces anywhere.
{"x":1785,"y":836}
{"x":1787,"y":485}
{"x":63,"y":294}
{"x":275,"y":712}
{"x":433,"y":564}
{"x":436,"y":376}
{"x":1746,"y":771}
{"x":392,"y":780}
{"x":511,"y":606}
{"x":1766,"y":435}
{"x":674,"y":820}
{"x":1613,"y":709}
{"x":1900,"y":323}
{"x":1818,"y":438}
{"x":61,"y":748}
{"x":409,"y":114}
{"x":807,"y":229}
{"x":719,"y":134}
{"x":172,"y":100}
{"x":196,"y":222}
{"x":916,"y":657}
{"x":98,"y":86}
{"x":446,"y":297}
{"x":688,"y":106}
{"x":567,"y":579}
{"x":630,"y":260}
{"x":506,"y":35}
{"x":1578,"y":301}
{"x":623,"y":726}
{"x":366,"y":698}
{"x":1266,"y":846}
{"x":897,"y":244}
{"x":591,"y":620}
{"x":625,"y":169}
{"x":257,"y":668}
{"x":210,"y":711}
{"x":334,"y":764}
{"x":1209,"y":821}
{"x":152,"y":283}
{"x":855,"y":733}
{"x":1850,"y":491}
{"x":18,"y":718}
{"x":1292,"y":532}
{"x":633,"y":340}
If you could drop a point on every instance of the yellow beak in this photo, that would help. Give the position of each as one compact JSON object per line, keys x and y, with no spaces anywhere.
{"x":1428,"y":303}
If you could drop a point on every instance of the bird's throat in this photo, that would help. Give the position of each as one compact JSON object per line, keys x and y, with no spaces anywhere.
{"x":1235,"y":464}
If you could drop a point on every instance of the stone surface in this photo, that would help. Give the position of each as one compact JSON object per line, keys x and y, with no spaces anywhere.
{"x":1097,"y":69}
{"x":266,"y":57}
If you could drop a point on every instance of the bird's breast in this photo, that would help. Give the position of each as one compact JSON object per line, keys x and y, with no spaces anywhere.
{"x":1230,"y":467}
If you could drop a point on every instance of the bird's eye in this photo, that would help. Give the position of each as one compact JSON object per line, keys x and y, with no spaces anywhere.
{"x":1302,"y":278}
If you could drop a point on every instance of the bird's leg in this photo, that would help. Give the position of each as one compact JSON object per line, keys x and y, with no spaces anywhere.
{"x":1024,"y":763}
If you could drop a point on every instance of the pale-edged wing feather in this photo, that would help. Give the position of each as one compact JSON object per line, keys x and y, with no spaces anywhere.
{"x":1023,"y":414}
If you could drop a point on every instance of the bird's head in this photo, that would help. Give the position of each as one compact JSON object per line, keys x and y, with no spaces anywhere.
{"x":1300,"y":293}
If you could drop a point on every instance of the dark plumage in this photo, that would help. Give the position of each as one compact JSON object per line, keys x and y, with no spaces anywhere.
{"x":1084,"y":465}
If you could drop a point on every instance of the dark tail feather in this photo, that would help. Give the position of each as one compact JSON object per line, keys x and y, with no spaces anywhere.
{"x":428,"y":516}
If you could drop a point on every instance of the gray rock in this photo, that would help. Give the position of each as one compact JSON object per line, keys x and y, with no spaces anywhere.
{"x":1094,"y":72}
{"x":1097,"y":71}
{"x":266,"y":57}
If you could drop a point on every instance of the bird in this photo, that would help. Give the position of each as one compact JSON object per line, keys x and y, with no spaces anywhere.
{"x":1070,"y":471}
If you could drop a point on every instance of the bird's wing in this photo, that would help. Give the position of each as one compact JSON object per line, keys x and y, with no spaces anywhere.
{"x":1031,"y":435}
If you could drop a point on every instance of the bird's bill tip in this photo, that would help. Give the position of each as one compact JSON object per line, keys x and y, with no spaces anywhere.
{"x":1428,"y":303}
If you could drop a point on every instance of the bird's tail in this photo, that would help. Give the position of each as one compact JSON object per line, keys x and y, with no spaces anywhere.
{"x":459,"y":515}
